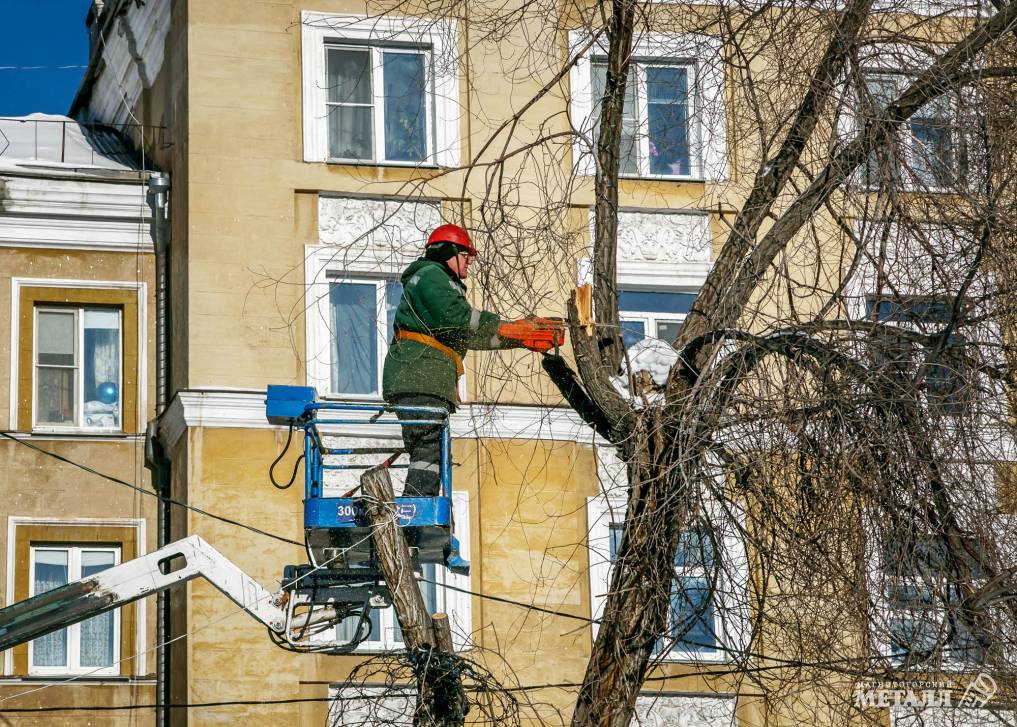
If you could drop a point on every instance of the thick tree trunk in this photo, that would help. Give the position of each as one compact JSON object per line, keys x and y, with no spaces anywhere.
{"x":440,"y":698}
{"x":638,"y":602}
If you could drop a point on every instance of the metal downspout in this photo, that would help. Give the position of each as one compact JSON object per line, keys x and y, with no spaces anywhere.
{"x":155,"y":458}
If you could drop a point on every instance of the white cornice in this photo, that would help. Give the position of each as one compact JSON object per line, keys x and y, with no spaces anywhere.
{"x":245,"y":409}
{"x":64,"y":214}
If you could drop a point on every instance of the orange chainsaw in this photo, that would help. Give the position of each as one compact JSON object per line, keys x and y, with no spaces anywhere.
{"x":537,"y":334}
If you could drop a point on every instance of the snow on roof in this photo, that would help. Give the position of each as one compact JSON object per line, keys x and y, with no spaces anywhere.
{"x":51,"y":139}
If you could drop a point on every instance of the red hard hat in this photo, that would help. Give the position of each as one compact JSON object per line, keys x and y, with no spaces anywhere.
{"x":454,"y":234}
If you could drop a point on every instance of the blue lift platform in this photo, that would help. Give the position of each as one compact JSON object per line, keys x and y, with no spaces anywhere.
{"x":336,"y":529}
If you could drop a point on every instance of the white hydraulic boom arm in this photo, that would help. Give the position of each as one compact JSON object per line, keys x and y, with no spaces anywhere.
{"x":175,"y":563}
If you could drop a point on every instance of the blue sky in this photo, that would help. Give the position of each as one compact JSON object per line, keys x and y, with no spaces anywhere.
{"x":46,"y":33}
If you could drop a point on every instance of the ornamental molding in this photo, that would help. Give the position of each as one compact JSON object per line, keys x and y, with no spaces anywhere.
{"x":662,"y":248}
{"x":663,"y":710}
{"x":376,"y":235}
{"x":245,"y":409}
{"x":74,"y":214}
{"x":663,"y":237}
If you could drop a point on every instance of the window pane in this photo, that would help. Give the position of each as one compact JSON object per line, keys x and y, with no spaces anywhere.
{"x":668,"y":122}
{"x":693,"y":622}
{"x":101,"y":368}
{"x":349,"y":132}
{"x":932,"y":145}
{"x":54,"y":396}
{"x":393,"y":294}
{"x":97,"y":632}
{"x":354,"y":338}
{"x":667,"y":331}
{"x":629,"y":163}
{"x":349,"y":76}
{"x":428,"y":590}
{"x":51,"y":571}
{"x":695,"y":550}
{"x":632,"y":332}
{"x":405,"y":116}
{"x":653,"y":302}
{"x":55,"y":339}
{"x":614,"y":540}
{"x":349,"y":82}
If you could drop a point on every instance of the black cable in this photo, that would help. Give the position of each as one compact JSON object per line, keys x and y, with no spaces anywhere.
{"x":296,"y":465}
{"x":499,"y":599}
{"x":150,"y":493}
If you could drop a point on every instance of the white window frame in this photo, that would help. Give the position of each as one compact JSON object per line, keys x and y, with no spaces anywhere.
{"x":906,"y":143}
{"x":896,"y":59}
{"x":78,"y":366}
{"x":381,"y":340}
{"x":650,"y":319}
{"x":707,"y":124}
{"x":361,"y":238}
{"x":638,"y":74}
{"x":731,"y":619}
{"x":439,"y":37}
{"x":456,"y":604}
{"x":74,"y":630}
{"x":377,"y":104}
{"x":878,"y":581}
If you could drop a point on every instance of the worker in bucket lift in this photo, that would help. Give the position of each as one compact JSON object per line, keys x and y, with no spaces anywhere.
{"x":433,"y":328}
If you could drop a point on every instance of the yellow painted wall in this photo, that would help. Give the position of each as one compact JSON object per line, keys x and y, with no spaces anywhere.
{"x":33,"y":485}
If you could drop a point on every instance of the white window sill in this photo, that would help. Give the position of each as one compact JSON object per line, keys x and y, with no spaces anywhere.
{"x":79,"y":431}
{"x":372,"y":163}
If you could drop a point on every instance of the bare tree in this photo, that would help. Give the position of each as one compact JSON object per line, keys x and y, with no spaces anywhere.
{"x":838,"y":393}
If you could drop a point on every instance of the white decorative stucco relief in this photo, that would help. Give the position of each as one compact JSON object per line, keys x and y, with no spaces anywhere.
{"x":674,"y":711}
{"x":668,"y":237}
{"x":374,"y":232}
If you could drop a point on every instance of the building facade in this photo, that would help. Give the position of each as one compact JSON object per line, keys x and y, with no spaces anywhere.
{"x":311,"y":148}
{"x":76,"y":277}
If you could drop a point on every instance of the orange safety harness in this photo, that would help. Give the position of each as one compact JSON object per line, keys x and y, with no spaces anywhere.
{"x":433,"y":342}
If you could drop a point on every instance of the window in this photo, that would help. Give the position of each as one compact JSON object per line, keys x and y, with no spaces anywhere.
{"x":707,"y":615}
{"x":673,"y":116}
{"x":385,"y":632}
{"x":77,"y":367}
{"x":362,"y":312}
{"x":651,"y":314}
{"x":945,"y":385}
{"x":656,"y":126}
{"x":79,"y":357}
{"x":925,"y":620}
{"x":925,"y":153}
{"x":86,"y":647}
{"x":43,"y":554}
{"x":380,"y":90}
{"x":353,"y":287}
{"x":378,"y":104}
{"x":693,"y":623}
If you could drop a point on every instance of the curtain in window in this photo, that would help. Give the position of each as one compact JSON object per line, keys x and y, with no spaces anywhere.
{"x":349,"y":105}
{"x":101,"y":368}
{"x":51,"y":568}
{"x":354,"y":338}
{"x":97,"y":632}
{"x":55,"y":398}
{"x":629,"y":161}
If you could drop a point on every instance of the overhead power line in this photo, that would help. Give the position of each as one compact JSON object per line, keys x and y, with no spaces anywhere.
{"x":150,"y":493}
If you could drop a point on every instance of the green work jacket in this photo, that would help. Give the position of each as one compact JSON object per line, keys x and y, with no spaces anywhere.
{"x":434,"y":303}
